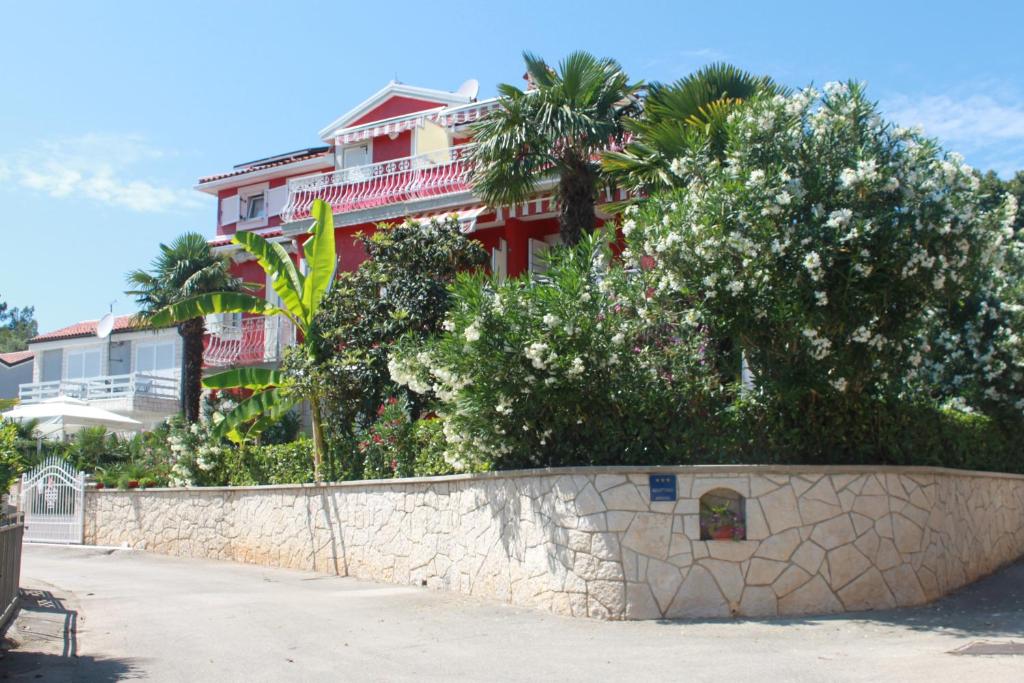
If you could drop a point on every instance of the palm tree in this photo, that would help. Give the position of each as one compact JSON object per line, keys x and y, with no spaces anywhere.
{"x":554,"y":129}
{"x":676,"y":117}
{"x":274,"y":393}
{"x":184,"y":268}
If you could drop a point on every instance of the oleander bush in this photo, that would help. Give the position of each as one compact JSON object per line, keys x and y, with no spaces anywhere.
{"x":823,"y":243}
{"x":576,"y":367}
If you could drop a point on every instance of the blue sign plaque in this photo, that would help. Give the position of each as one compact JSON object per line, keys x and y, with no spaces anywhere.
{"x":663,"y":487}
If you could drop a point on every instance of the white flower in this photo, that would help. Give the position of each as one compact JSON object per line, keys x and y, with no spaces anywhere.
{"x":678,"y":167}
{"x":472,"y":332}
{"x":821,"y":298}
{"x":812,"y":262}
{"x":576,"y":368}
{"x":735,"y":287}
{"x":839,"y":383}
{"x":783,"y":198}
{"x":551,"y":320}
{"x":618,"y":338}
{"x":448,"y":326}
{"x":839,"y":218}
{"x":836,"y":89}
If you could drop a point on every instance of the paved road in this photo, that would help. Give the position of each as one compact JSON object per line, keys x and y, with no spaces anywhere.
{"x":136,"y":615}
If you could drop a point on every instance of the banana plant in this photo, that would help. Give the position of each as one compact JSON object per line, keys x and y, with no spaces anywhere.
{"x":273,"y":394}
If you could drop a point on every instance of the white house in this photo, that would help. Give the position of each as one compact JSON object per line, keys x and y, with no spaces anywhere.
{"x":134,"y":372}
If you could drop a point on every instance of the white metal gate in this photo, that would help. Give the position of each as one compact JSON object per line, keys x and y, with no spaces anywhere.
{"x":53,"y":498}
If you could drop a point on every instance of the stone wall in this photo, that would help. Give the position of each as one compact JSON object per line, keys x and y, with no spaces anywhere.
{"x":589,"y":541}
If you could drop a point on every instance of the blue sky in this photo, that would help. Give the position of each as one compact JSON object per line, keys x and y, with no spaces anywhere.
{"x":113,"y":110}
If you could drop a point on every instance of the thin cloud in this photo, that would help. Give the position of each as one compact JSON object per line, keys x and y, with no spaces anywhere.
{"x":101,"y":168}
{"x":989,"y":131}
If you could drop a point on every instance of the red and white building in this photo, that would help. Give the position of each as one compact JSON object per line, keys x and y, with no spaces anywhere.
{"x":402,"y":153}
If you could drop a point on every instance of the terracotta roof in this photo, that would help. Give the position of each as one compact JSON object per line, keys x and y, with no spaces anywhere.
{"x":84,"y":329}
{"x":257,"y":166}
{"x":15,"y":357}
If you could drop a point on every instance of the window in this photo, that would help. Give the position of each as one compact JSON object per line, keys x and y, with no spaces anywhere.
{"x":154,"y":357}
{"x":356,"y":155}
{"x":84,"y":364}
{"x":253,"y":207}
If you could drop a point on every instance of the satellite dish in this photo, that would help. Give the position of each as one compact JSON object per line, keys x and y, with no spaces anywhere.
{"x":105,"y":326}
{"x":469,"y":89}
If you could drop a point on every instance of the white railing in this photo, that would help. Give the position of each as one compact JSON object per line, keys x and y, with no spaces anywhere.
{"x":253,"y":341}
{"x":417,"y":177}
{"x":99,"y":388}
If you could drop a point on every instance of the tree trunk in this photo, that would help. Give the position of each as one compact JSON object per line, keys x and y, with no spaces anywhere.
{"x":318,"y":438}
{"x":192,"y":332}
{"x":576,"y":190}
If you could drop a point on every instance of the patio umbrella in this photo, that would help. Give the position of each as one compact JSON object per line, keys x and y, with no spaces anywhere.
{"x":62,"y":413}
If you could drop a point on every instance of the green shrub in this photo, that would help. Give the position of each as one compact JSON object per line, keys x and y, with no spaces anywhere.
{"x":387,"y":445}
{"x":428,"y":437}
{"x":288,"y":463}
{"x":822,"y":243}
{"x":577,"y":367}
{"x":11,"y":462}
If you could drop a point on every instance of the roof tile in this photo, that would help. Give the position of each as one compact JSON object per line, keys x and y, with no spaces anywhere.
{"x":85,"y":329}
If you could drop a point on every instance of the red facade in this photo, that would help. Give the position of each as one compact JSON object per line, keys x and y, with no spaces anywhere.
{"x":401,"y":154}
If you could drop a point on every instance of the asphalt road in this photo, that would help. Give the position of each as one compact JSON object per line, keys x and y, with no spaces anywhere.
{"x":104,"y":615}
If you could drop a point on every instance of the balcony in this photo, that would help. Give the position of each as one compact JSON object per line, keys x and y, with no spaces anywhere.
{"x":251,"y":341}
{"x":102,"y":388}
{"x":423,"y":176}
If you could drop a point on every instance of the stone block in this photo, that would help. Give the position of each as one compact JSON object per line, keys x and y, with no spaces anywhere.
{"x":640,"y":603}
{"x":763,"y":572}
{"x":732,"y":551}
{"x":906,"y":535}
{"x":610,"y":597}
{"x":698,"y":597}
{"x":758,"y":601}
{"x":603,"y":482}
{"x":664,"y":580}
{"x":845,"y":564}
{"x":790,"y":580}
{"x":905,"y":587}
{"x":834,"y":532}
{"x":757,"y":526}
{"x":780,"y":509}
{"x":780,"y":546}
{"x":624,"y":497}
{"x":588,"y":501}
{"x":813,"y":597}
{"x":874,"y":507}
{"x":867,"y":592}
{"x":727,"y":575}
{"x":649,"y":534}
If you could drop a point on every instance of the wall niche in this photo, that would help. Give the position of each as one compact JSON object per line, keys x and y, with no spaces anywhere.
{"x":722,"y":516}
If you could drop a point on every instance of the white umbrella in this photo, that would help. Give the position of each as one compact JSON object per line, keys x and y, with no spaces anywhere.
{"x":70,"y":412}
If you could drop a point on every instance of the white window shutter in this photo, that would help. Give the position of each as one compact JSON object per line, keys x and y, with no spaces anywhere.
{"x":229,"y":210}
{"x":538,"y":264}
{"x":499,"y":260}
{"x":276,"y":198}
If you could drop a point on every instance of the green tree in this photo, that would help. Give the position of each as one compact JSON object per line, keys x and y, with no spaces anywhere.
{"x":17,"y":326}
{"x":273,"y":393}
{"x":11,"y":462}
{"x":677,"y":117}
{"x":554,"y":129}
{"x":400,"y":290}
{"x":184,"y":269}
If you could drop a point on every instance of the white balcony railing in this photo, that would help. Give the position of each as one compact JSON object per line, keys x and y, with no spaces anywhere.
{"x":100,"y":388}
{"x":249,"y":342}
{"x":422,"y":176}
